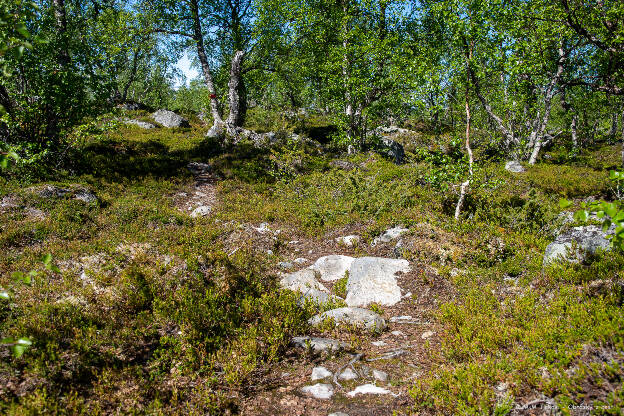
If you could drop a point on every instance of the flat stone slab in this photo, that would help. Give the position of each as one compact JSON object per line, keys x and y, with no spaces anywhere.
{"x":201,"y":211}
{"x":319,"y":373}
{"x":319,"y":391}
{"x":373,"y":280}
{"x":358,"y":317}
{"x":348,"y":374}
{"x":332,"y":267}
{"x":319,"y":344}
{"x":368,"y":389}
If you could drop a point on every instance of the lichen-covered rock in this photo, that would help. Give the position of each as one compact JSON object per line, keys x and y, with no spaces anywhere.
{"x":514,"y":166}
{"x":389,"y":235}
{"x":319,"y":344}
{"x":373,"y":280}
{"x":332,"y":267}
{"x":304,"y":282}
{"x":575,"y":244}
{"x":357,"y":317}
{"x":170,"y":119}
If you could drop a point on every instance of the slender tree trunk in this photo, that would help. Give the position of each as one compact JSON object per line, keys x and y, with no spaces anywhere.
{"x":133,"y":71}
{"x":538,"y":133}
{"x":236,"y":93}
{"x":61,"y":29}
{"x":464,"y":186}
{"x":198,"y":37}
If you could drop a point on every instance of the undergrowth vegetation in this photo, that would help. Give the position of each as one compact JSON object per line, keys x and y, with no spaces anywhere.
{"x":155,"y":312}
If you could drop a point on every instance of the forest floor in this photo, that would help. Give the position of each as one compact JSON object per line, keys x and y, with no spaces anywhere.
{"x":160,"y":306}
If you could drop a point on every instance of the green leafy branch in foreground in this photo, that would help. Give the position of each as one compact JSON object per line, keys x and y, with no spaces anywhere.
{"x":20,"y":345}
{"x":611,"y":213}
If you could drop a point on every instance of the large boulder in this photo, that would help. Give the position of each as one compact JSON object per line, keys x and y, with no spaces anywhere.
{"x":170,"y":119}
{"x":373,"y":280}
{"x":393,"y":150}
{"x":357,"y":317}
{"x":332,"y":267}
{"x":577,"y":243}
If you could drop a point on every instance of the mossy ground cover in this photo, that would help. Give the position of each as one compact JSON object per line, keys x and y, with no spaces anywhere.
{"x":154,"y":312}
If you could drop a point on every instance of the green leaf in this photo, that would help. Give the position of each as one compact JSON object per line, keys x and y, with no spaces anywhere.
{"x":5,"y":295}
{"x":564,"y":203}
{"x":581,"y":215}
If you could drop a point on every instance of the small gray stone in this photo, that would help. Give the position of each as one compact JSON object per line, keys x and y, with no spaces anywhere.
{"x":514,"y":166}
{"x":389,"y":235}
{"x":319,"y":344}
{"x":349,"y":240}
{"x":319,"y":373}
{"x":319,"y":391}
{"x":198,"y":168}
{"x":380,"y":375}
{"x":139,"y":123}
{"x":300,"y":261}
{"x":368,"y":389}
{"x":351,"y":316}
{"x":85,"y":196}
{"x":337,"y":414}
{"x":285,"y":265}
{"x":348,"y":374}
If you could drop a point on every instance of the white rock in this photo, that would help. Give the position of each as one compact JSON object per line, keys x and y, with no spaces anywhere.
{"x":170,"y":119}
{"x":358,"y":317}
{"x":378,"y":343}
{"x":263,"y":228}
{"x":300,"y":261}
{"x":427,"y":334}
{"x":368,"y":389}
{"x":319,"y":391}
{"x":380,"y":375}
{"x":397,"y":333}
{"x":514,"y":166}
{"x":348,"y":374}
{"x":319,"y":373}
{"x":139,"y":123}
{"x":319,"y":344}
{"x":304,"y":282}
{"x":201,"y":211}
{"x":349,"y":240}
{"x":332,"y":267}
{"x":373,"y":280}
{"x":337,"y":414}
{"x":389,"y":235}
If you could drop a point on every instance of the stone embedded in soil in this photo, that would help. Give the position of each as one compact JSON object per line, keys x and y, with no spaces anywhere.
{"x":368,"y":389}
{"x":358,"y":317}
{"x":319,"y":391}
{"x":588,"y":240}
{"x":201,"y":211}
{"x":348,"y":240}
{"x":304,"y":282}
{"x":380,"y":375}
{"x":389,"y":235}
{"x":405,"y":319}
{"x":285,"y":265}
{"x":397,"y":333}
{"x":427,"y":334}
{"x":139,"y":123}
{"x":514,"y":166}
{"x":332,"y":267}
{"x":319,"y":373}
{"x":319,"y":344}
{"x":85,"y":196}
{"x":373,"y":280}
{"x":337,"y":414}
{"x":378,"y":343}
{"x":300,"y":261}
{"x":348,"y":374}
